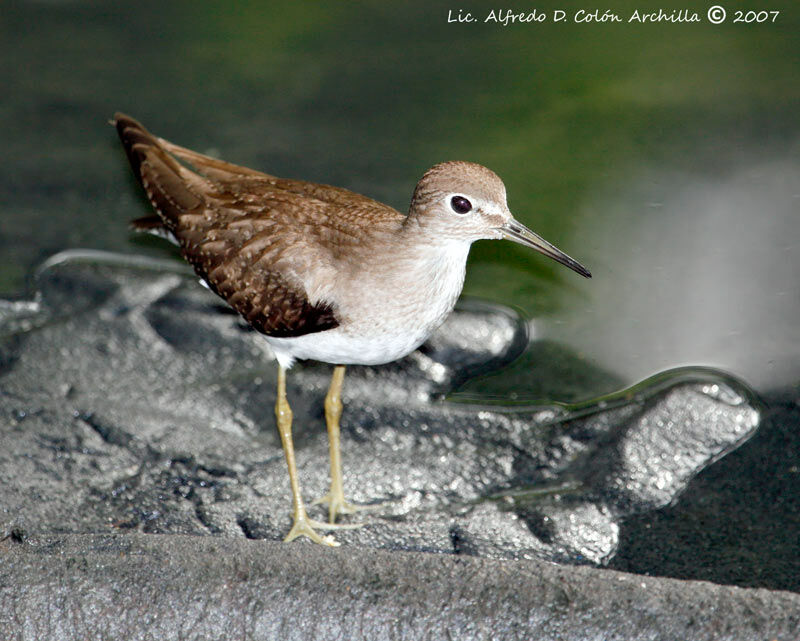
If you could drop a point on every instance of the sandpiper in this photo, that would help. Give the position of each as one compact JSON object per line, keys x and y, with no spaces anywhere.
{"x":324,"y":273}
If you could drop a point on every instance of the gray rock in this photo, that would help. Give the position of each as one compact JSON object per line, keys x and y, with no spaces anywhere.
{"x":132,"y":404}
{"x":182,"y":587}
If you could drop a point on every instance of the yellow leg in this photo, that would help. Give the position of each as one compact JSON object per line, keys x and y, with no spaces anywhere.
{"x":333,"y":412}
{"x":302,"y":526}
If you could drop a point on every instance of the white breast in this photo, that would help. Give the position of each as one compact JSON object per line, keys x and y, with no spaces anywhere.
{"x":387,"y":309}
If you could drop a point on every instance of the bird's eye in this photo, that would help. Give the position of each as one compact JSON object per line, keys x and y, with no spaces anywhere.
{"x":460,"y":204}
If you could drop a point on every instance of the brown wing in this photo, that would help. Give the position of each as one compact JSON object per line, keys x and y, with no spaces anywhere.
{"x":241,"y":178}
{"x":247,"y":233}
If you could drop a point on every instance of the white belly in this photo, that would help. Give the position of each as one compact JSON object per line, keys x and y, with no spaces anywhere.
{"x":335,"y":346}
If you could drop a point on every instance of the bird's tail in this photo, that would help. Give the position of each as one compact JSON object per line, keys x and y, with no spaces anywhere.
{"x":173,"y":190}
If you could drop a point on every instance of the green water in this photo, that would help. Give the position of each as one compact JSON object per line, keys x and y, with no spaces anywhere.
{"x":664,"y":157}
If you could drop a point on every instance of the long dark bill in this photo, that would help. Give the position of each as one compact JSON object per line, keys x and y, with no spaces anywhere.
{"x":517,"y":232}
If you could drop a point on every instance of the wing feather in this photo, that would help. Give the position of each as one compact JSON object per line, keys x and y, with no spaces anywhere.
{"x":213,"y":222}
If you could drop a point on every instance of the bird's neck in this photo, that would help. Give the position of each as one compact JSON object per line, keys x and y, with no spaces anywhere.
{"x":433,"y":261}
{"x":413,"y":256}
{"x":414,"y":278}
{"x":425,"y":244}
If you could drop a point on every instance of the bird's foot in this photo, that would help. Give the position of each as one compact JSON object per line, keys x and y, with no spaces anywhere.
{"x":337,"y":505}
{"x":304,"y":526}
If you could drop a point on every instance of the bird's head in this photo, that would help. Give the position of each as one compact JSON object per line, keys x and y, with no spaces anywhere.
{"x":464,"y":201}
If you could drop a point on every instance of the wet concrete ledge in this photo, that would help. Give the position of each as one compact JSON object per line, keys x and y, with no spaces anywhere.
{"x":186,"y":587}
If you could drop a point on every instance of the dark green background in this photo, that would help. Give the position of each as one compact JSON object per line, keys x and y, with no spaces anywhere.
{"x":614,"y":141}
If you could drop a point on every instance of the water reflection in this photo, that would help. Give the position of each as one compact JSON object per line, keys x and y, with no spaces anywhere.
{"x":694,"y":270}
